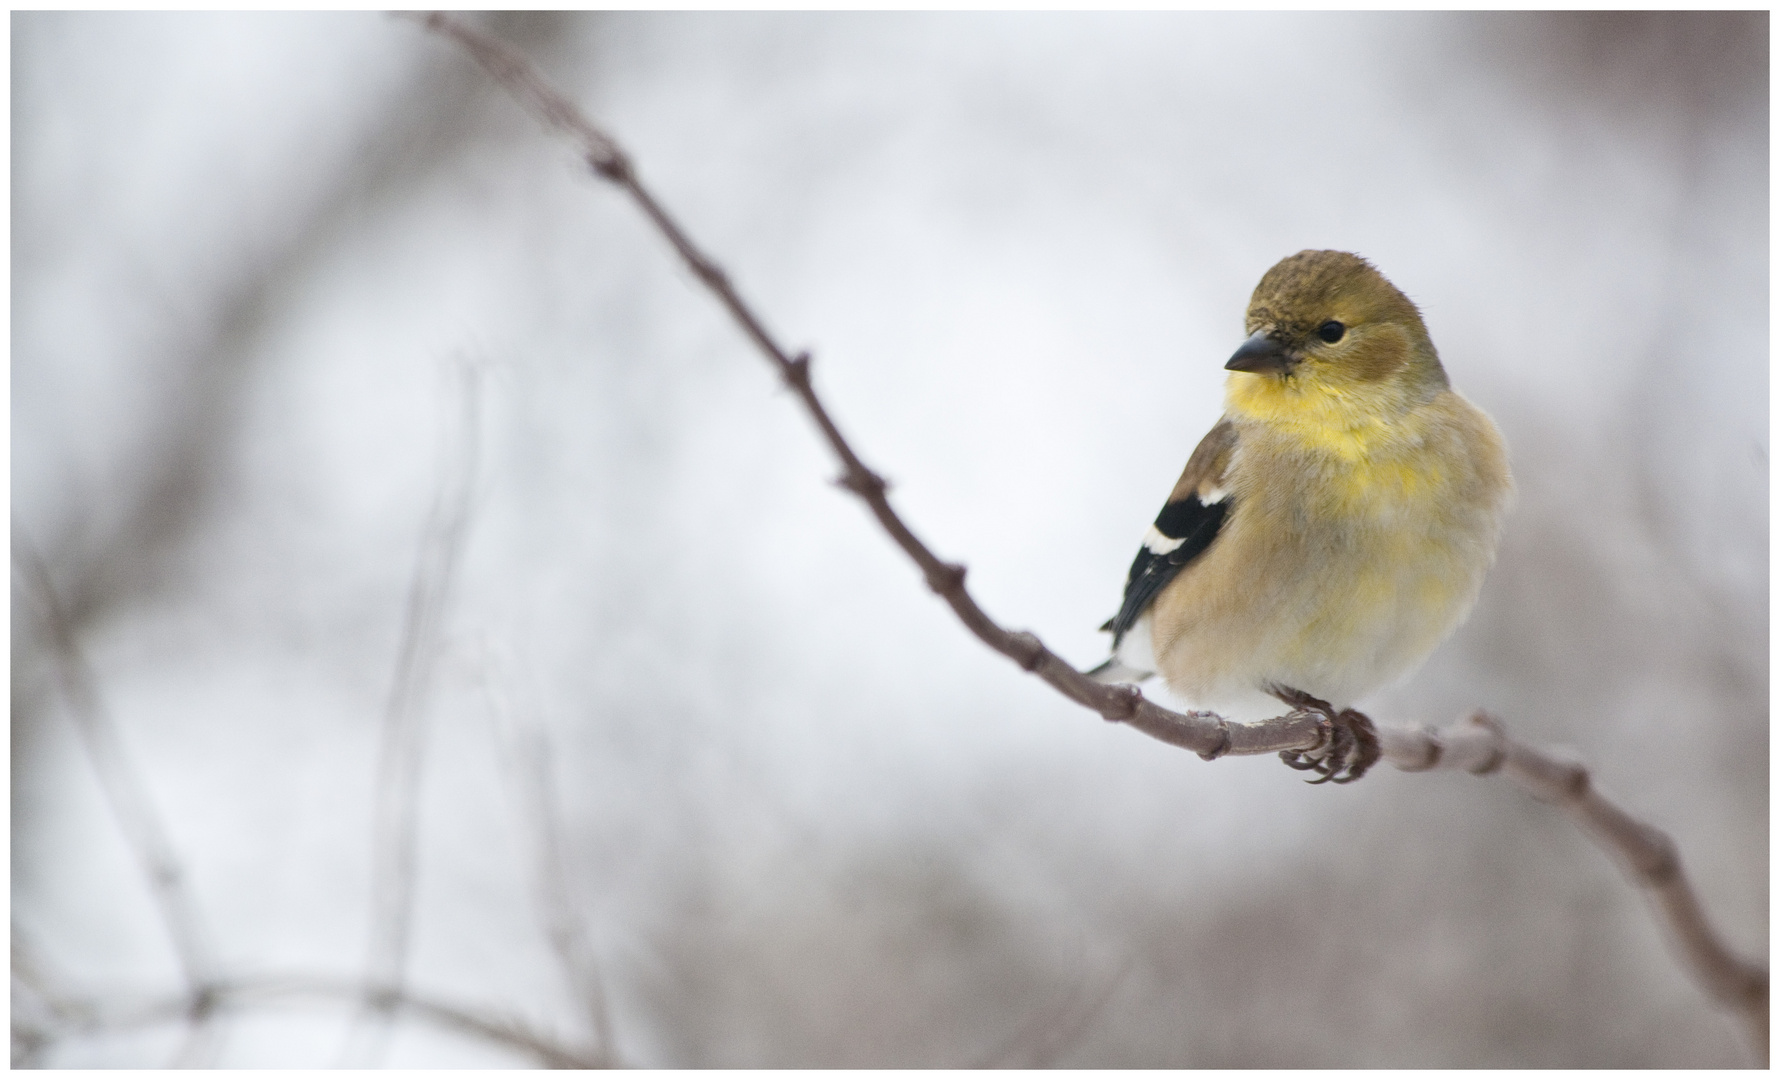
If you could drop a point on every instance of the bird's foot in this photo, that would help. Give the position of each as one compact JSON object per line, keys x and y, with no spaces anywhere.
{"x":1349,"y":746}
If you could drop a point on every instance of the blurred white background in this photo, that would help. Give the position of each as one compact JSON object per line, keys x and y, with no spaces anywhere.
{"x":805,"y":818}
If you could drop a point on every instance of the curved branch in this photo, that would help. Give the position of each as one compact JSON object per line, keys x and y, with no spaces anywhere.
{"x":1481,"y":746}
{"x":1206,"y":734}
{"x":1647,"y":855}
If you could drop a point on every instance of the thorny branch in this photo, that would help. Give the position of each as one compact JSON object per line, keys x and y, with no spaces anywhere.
{"x":1647,"y":855}
{"x":1207,"y":734}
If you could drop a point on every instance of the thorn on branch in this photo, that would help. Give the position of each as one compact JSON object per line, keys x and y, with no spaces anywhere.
{"x":949,"y":578}
{"x":797,"y":371}
{"x":864,"y":483}
{"x":1575,"y":782}
{"x":709,"y":273}
{"x":611,"y":165}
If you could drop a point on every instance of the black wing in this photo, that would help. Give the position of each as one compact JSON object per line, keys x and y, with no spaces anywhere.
{"x":1183,"y":530}
{"x":1187,"y":525}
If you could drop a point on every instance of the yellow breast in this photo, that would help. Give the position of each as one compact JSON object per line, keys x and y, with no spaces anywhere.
{"x":1358,"y":540}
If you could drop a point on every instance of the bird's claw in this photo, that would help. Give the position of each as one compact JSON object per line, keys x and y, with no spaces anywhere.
{"x":1349,"y":746}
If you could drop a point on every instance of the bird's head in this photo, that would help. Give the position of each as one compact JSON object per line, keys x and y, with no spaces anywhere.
{"x":1326,"y":322}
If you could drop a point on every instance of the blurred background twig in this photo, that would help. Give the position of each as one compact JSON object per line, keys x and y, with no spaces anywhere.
{"x":132,"y":808}
{"x":242,"y":241}
{"x":396,"y":830}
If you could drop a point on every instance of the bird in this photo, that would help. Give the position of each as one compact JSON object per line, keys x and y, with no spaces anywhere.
{"x":1333,"y":527}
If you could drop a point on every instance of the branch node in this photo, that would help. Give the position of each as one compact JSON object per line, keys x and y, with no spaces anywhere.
{"x":1498,"y":750}
{"x":1432,"y":750}
{"x":383,"y":999}
{"x":1224,"y":741}
{"x":1120,"y":703}
{"x":203,"y":1002}
{"x":1664,"y":865}
{"x":709,"y":272}
{"x":1035,"y":651}
{"x":611,"y":165}
{"x":1575,"y":782}
{"x":797,"y":371}
{"x":949,"y":578}
{"x":864,"y":483}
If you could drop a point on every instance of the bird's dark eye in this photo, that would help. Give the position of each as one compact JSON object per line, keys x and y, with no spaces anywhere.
{"x":1331,"y":331}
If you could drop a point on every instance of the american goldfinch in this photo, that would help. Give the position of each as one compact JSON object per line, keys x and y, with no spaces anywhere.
{"x":1332,"y":528}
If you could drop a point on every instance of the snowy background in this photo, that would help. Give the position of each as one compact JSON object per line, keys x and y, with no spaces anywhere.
{"x":260,"y":261}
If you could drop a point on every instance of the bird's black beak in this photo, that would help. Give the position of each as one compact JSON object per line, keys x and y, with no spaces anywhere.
{"x":1261,"y":355}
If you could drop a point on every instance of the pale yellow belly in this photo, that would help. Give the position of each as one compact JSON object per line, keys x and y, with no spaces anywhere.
{"x":1323,"y":592}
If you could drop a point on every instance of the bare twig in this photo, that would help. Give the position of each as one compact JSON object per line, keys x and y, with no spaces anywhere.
{"x":41,"y":1003}
{"x":1648,"y":854}
{"x":397,"y":828}
{"x":526,"y":748}
{"x":243,"y":994}
{"x":127,"y":793}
